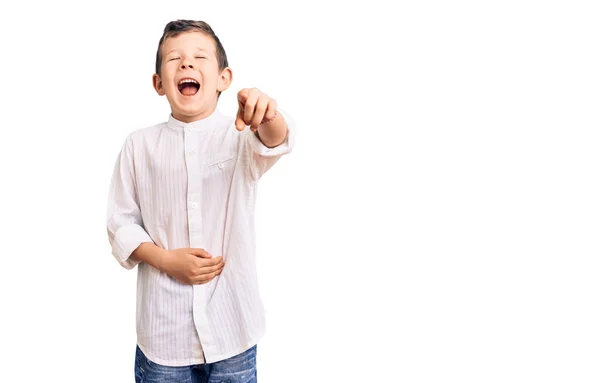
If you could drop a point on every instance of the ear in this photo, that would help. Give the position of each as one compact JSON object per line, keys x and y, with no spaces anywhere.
{"x":224,"y":79}
{"x":157,"y":84}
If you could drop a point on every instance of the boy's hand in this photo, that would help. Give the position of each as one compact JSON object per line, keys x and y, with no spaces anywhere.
{"x":192,"y":266}
{"x":254,"y":109}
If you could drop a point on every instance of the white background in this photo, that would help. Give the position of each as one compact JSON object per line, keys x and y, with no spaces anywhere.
{"x":437,"y":222}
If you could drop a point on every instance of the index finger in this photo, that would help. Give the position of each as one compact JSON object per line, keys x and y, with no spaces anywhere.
{"x":211,"y":261}
{"x":239,"y":120}
{"x":200,"y":253}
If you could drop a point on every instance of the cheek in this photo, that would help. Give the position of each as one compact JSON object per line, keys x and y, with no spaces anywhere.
{"x":211,"y":84}
{"x":209,"y":78}
{"x":169,"y":87}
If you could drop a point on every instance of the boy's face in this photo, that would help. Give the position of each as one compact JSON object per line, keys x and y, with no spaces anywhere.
{"x":190,"y":76}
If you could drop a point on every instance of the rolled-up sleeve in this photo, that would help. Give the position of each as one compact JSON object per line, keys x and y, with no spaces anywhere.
{"x":124,"y":220}
{"x":262,"y":158}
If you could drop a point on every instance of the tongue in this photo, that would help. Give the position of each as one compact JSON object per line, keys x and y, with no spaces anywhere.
{"x":189,"y":90}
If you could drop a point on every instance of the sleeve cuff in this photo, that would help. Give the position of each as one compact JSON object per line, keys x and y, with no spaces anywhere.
{"x":127,"y":239}
{"x":285,"y":147}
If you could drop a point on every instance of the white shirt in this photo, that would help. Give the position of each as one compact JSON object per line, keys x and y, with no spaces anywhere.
{"x":192,"y":185}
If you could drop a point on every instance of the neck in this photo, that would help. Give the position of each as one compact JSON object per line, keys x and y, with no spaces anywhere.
{"x":195,"y":117}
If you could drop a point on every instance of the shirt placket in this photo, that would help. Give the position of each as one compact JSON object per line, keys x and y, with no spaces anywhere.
{"x":195,"y":169}
{"x":194,"y":190}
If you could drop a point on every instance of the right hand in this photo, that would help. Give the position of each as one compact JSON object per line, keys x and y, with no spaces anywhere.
{"x":192,"y":266}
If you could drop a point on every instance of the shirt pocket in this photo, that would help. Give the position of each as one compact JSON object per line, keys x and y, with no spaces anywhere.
{"x":220,"y":167}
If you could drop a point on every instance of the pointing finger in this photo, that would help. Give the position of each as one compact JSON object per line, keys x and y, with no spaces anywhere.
{"x":239,"y":120}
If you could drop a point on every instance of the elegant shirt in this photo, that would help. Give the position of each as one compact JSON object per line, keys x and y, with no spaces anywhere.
{"x":193,"y":185}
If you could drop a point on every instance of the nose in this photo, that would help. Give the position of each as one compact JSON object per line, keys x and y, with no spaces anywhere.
{"x":186,"y":63}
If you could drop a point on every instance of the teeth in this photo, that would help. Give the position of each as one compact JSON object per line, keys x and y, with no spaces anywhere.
{"x":188,"y":80}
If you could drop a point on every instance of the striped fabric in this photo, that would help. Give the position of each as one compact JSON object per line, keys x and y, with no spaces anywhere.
{"x":192,"y":185}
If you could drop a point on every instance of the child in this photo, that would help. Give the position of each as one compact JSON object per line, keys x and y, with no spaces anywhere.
{"x":181,"y":208}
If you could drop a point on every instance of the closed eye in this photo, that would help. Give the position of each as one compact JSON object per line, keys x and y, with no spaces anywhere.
{"x":174,"y":58}
{"x":200,"y":57}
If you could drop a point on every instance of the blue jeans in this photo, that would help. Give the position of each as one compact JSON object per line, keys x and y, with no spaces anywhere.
{"x":237,"y":369}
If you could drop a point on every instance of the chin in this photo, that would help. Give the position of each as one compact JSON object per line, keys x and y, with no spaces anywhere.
{"x":190,"y":111}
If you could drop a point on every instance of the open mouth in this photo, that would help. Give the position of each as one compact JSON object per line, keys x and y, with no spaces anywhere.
{"x":188,"y":86}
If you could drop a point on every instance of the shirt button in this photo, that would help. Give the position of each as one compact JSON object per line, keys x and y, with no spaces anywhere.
{"x":220,"y":165}
{"x":187,"y":129}
{"x":192,"y":152}
{"x":194,"y":205}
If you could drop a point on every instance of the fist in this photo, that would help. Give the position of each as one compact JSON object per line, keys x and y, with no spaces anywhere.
{"x":254,"y":108}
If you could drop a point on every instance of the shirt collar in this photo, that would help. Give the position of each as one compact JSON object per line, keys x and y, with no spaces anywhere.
{"x":207,"y":122}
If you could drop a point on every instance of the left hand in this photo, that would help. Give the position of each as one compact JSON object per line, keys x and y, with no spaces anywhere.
{"x":255,"y":108}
